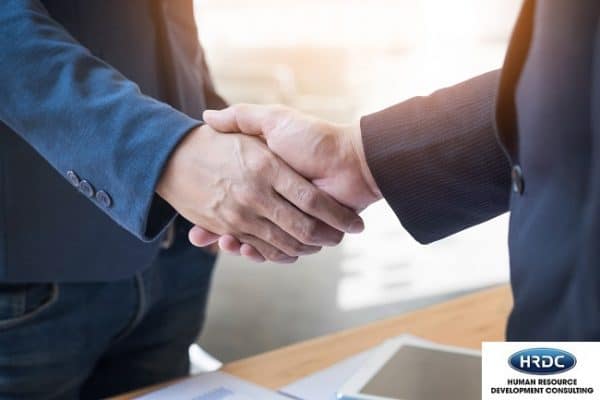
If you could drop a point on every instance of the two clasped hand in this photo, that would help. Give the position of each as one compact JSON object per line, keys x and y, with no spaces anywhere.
{"x":328,"y":155}
{"x":234,"y":185}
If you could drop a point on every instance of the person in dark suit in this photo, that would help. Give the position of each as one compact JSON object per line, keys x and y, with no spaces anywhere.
{"x":101,"y":147}
{"x":524,"y":139}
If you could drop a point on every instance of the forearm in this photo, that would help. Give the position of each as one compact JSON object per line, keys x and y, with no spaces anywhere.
{"x":82,"y":115}
{"x":437,"y":161}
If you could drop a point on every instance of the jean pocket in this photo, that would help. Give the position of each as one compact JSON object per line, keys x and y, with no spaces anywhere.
{"x":20,"y":303}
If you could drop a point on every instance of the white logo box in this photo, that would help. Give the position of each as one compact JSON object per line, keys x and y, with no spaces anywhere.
{"x":540,"y":370}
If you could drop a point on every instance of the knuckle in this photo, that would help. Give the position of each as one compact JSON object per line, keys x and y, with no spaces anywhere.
{"x":265,"y":163}
{"x":269,"y":236}
{"x":235,"y":220}
{"x":234,"y":217}
{"x":309,"y":231}
{"x":277,"y":213}
{"x":248,"y":197}
{"x":302,"y":194}
{"x":309,"y":198}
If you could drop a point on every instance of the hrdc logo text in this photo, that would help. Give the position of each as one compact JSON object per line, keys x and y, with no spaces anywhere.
{"x":542,"y":361}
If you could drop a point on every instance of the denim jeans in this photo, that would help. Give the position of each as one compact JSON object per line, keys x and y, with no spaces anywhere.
{"x":92,"y":340}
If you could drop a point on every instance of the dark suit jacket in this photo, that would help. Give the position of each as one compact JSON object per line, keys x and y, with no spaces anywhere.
{"x":525,"y":139}
{"x":94,"y":95}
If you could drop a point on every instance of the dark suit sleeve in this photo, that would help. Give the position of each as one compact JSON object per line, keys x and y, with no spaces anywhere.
{"x":81,"y":114}
{"x":437,"y":161}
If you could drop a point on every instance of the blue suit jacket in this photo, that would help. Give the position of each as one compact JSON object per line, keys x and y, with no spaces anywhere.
{"x":94,"y":95}
{"x":525,"y":139}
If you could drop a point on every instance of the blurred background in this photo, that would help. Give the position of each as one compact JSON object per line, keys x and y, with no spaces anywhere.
{"x":341,"y":59}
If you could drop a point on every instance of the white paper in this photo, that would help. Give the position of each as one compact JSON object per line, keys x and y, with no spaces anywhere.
{"x":213,"y":386}
{"x":324,"y":384}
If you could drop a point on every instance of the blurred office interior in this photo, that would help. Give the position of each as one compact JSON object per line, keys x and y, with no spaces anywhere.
{"x":340,"y":59}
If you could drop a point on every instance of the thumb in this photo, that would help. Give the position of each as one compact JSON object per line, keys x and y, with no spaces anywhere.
{"x":223,"y":120}
{"x":250,"y":119}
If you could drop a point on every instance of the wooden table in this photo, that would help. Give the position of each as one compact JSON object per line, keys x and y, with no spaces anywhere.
{"x":465,"y":322}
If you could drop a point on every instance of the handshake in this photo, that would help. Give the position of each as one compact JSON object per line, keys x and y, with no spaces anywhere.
{"x":268,"y":182}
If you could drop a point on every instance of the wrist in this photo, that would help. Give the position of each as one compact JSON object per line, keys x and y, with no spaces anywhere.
{"x":165,"y":185}
{"x":353,"y":132}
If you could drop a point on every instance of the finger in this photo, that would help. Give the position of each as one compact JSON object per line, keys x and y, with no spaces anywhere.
{"x":230,"y":244}
{"x":250,"y":252}
{"x":302,"y":227}
{"x":267,"y":251}
{"x":200,"y":237}
{"x":251,"y":119}
{"x":267,"y":231}
{"x":315,"y":202}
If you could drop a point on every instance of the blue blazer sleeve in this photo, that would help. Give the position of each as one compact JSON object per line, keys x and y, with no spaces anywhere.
{"x":80,"y":114}
{"x":437,"y":160}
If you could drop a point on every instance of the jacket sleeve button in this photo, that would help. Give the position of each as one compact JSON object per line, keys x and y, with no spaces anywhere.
{"x":518,"y":183}
{"x":73,"y":178}
{"x":104,"y":199}
{"x":86,"y":188}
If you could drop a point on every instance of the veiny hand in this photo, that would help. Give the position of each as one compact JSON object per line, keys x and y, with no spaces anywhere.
{"x":234,"y":185}
{"x":330,"y":155}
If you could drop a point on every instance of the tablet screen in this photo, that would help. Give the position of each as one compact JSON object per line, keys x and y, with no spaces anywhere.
{"x":418,"y":373}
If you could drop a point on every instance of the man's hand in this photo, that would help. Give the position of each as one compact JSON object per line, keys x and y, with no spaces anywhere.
{"x":330,"y":155}
{"x":234,"y":185}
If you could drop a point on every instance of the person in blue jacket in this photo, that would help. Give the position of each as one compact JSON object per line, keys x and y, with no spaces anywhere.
{"x":101,"y":148}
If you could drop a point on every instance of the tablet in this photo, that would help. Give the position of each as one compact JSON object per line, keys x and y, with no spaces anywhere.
{"x":409,"y":369}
